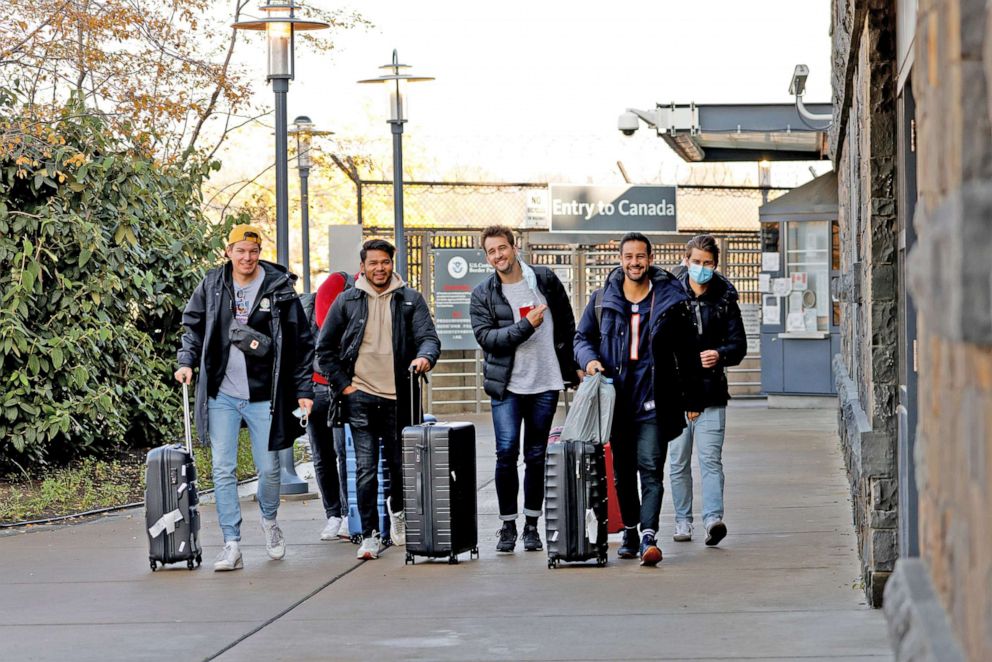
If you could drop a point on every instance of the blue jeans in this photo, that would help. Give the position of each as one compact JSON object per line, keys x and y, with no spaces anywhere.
{"x":708,"y":431}
{"x":637,"y":450}
{"x":535,"y":412}
{"x":224,"y":416}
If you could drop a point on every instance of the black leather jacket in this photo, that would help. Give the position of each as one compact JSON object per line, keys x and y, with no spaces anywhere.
{"x":719,"y":326}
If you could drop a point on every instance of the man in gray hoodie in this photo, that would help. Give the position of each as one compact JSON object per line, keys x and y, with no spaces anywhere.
{"x":374,"y":335}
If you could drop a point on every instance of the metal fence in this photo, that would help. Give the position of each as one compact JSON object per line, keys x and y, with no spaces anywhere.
{"x":457,"y":381}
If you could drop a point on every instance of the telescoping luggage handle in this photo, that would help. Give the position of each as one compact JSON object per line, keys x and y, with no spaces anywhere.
{"x":186,"y":427}
{"x":416,"y":403}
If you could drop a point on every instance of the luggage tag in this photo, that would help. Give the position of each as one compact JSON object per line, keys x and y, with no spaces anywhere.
{"x":649,"y":405}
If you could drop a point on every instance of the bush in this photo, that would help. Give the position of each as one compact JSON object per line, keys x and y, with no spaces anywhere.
{"x":100,"y":249}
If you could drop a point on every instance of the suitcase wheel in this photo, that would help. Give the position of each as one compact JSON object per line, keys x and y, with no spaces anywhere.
{"x":553,"y":562}
{"x":199,"y":560}
{"x":453,"y":559}
{"x":601,"y":561}
{"x":190,"y":564}
{"x":154,"y":565}
{"x":409,"y":559}
{"x":356,"y":539}
{"x":474,"y":554}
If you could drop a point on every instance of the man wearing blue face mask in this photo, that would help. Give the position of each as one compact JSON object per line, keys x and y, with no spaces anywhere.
{"x":721,"y":337}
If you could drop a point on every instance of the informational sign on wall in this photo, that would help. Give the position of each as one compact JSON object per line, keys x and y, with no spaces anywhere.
{"x":612,"y":209}
{"x":751,"y":317}
{"x":456,"y":273}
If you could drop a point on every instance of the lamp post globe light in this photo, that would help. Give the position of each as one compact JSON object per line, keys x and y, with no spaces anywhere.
{"x":304,"y":131}
{"x":281,"y":25}
{"x":395,"y":84}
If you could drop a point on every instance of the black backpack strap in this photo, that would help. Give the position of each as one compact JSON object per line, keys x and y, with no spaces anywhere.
{"x":349,"y":280}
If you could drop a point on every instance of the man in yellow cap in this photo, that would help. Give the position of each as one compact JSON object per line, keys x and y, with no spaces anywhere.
{"x":247,"y":333}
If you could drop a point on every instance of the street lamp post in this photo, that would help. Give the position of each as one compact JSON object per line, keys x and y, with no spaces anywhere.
{"x":303,"y":129}
{"x":281,"y":25}
{"x":395,"y":83}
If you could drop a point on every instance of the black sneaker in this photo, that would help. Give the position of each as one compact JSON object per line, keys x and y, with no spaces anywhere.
{"x":507,"y":537}
{"x":630,"y":545}
{"x":532,"y":539}
{"x":650,"y":552}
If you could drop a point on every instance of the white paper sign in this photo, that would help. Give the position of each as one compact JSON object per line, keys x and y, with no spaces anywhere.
{"x":781,"y":287}
{"x":769,"y":262}
{"x":764,"y":282}
{"x":770,"y":310}
{"x":751,"y":317}
{"x":809,"y":315}
{"x":795,"y":322}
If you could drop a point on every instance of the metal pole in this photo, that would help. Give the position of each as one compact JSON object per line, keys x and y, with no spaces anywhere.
{"x":281,"y":86}
{"x":397,"y":128}
{"x":305,"y":214}
{"x":290,"y":483}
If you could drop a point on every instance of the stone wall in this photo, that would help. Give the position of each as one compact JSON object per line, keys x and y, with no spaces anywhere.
{"x":864,"y":133}
{"x":951,"y":279}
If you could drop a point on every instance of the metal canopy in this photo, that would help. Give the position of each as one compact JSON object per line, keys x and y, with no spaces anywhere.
{"x":813,"y":201}
{"x":741,"y":132}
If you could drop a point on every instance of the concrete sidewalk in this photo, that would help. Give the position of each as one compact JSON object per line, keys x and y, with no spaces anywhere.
{"x":781,"y":586}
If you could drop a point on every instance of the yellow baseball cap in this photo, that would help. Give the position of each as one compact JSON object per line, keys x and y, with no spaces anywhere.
{"x":244,"y":233}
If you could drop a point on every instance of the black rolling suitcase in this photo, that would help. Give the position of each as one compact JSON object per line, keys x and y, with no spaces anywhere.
{"x":171,"y":515}
{"x":575,"y":506}
{"x":439,"y":496}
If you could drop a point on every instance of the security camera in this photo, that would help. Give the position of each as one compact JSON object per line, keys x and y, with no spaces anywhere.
{"x":628,"y":123}
{"x":798,"y":84}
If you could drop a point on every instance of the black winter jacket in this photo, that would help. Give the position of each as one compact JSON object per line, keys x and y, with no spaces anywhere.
{"x":341,"y":337}
{"x":674,"y":350}
{"x":719,"y":326}
{"x":499,"y":336}
{"x":282,"y":377}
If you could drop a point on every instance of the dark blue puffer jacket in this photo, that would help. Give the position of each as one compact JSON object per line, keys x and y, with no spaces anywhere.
{"x":674,"y":349}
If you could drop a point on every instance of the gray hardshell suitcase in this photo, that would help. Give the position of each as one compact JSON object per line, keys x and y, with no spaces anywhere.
{"x":172,"y":517}
{"x":439,"y":493}
{"x":575,"y":502}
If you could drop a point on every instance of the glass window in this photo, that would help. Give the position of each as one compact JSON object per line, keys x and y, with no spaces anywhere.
{"x":807,"y":264}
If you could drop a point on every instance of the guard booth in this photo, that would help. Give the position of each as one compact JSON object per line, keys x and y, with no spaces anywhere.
{"x":800,"y":319}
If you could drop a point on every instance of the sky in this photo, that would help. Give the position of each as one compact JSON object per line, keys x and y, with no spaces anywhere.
{"x":531,"y":91}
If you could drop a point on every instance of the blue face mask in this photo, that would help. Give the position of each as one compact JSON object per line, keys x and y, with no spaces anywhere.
{"x":700,"y":274}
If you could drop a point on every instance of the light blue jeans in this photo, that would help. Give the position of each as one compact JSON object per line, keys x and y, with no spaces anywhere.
{"x":225,"y":414}
{"x":708,"y":431}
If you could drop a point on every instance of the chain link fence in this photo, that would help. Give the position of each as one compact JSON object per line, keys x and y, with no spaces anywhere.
{"x":451,"y":215}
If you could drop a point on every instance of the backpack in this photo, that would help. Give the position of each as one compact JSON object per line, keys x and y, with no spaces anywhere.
{"x":309,"y":301}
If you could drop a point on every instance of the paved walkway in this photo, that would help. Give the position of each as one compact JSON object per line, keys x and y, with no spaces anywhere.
{"x":781,"y":586}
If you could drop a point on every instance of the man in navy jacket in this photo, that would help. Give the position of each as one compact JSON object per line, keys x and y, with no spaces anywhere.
{"x":638,"y":330}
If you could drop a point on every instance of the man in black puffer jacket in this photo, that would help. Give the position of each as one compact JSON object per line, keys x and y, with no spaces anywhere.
{"x":524,"y":323}
{"x":723,"y":343}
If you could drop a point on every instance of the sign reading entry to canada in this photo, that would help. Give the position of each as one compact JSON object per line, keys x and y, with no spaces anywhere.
{"x":612,"y":209}
{"x":456,"y":273}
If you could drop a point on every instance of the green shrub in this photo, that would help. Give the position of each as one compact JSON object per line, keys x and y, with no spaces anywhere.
{"x":100,"y":249}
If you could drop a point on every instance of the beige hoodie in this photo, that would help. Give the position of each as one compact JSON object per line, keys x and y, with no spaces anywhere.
{"x":374,"y":368}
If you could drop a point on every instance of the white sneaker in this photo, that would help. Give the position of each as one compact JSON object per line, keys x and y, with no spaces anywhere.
{"x":275,"y":543}
{"x":716,"y":531}
{"x":371,"y":547}
{"x":683,"y":531}
{"x":397,"y":525}
{"x":229,"y":558}
{"x":332,"y":529}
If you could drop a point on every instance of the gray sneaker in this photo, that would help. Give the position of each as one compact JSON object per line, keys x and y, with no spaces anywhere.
{"x":397,"y":525}
{"x":229,"y":558}
{"x":275,"y":543}
{"x":683,"y":531}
